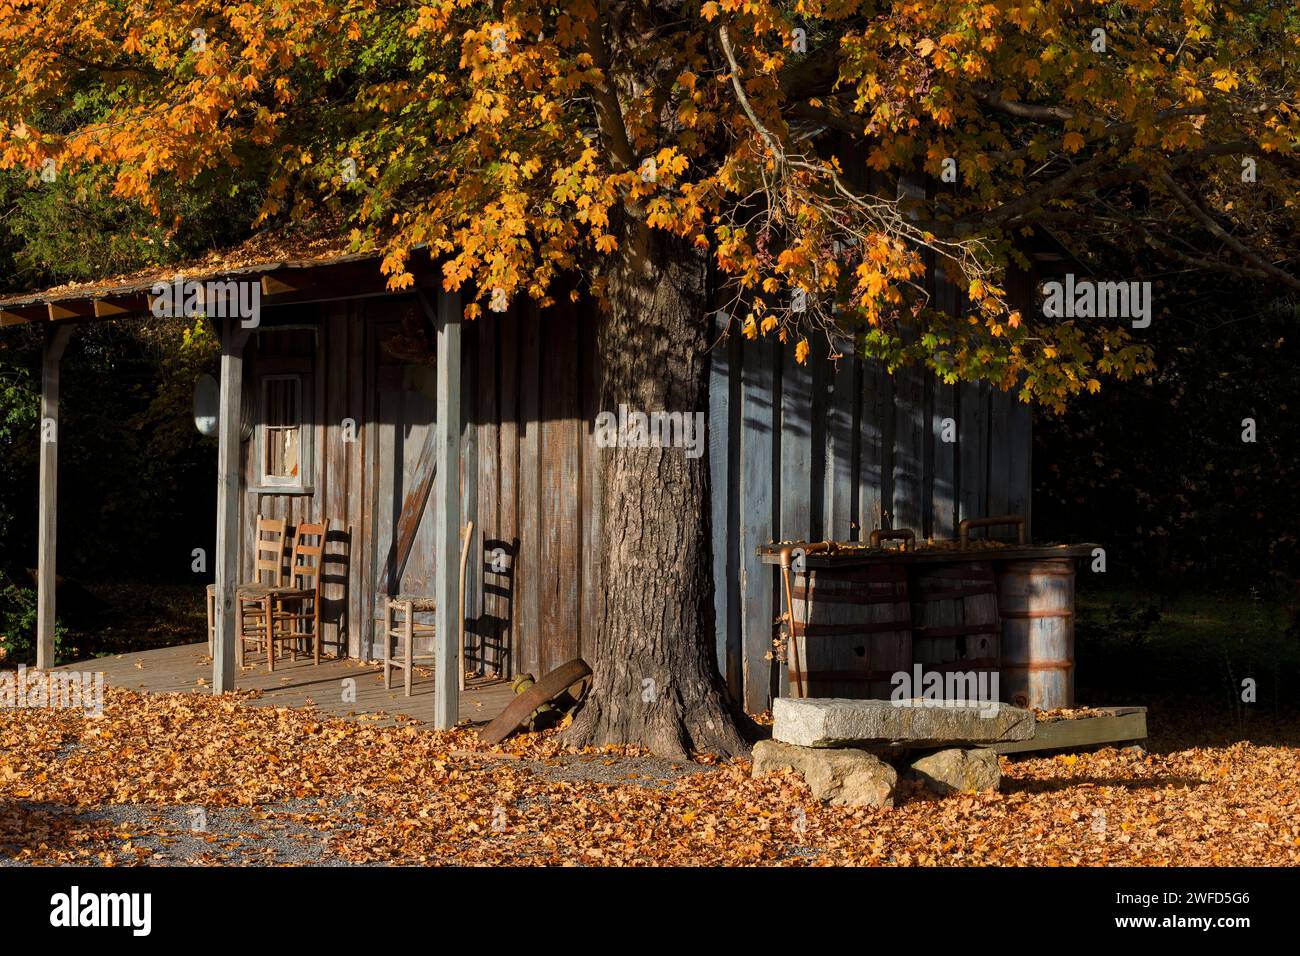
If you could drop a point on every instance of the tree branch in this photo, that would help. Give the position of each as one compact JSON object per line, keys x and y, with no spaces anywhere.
{"x":1236,"y":245}
{"x":609,"y":114}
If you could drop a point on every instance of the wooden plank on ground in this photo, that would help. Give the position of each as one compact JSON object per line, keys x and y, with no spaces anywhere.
{"x":1116,"y":725}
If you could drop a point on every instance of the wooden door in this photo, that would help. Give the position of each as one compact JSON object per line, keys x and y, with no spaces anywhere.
{"x":406,"y":411}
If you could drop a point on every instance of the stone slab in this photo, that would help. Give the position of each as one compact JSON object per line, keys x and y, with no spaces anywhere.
{"x":840,"y":722}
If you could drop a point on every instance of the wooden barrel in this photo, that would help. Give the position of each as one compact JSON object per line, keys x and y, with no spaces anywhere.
{"x":852,"y":631}
{"x":1036,"y":599}
{"x":955,"y":617}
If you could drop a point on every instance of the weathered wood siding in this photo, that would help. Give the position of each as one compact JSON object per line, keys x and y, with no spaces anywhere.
{"x":370,"y":415}
{"x":794,"y":452}
{"x":837,"y":450}
{"x":537,"y":497}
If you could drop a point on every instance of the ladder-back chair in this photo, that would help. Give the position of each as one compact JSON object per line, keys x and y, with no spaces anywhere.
{"x":295,"y":608}
{"x":268,"y":572}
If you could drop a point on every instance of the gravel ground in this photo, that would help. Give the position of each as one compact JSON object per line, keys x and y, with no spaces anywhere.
{"x":197,"y":836}
{"x":276,"y":835}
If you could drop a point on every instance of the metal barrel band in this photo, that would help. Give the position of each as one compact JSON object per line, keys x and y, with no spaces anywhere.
{"x":851,"y":630}
{"x":855,"y":676}
{"x":846,"y":596}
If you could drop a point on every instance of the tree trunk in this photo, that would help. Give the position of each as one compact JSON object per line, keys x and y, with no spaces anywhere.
{"x":656,"y":681}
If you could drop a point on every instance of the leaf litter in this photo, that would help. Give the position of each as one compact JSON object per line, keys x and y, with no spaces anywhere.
{"x":285,"y":786}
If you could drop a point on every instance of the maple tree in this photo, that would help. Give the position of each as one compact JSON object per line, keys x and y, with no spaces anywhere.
{"x":682,"y":157}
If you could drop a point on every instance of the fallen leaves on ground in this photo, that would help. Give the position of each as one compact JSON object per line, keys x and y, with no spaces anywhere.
{"x":405,"y":795}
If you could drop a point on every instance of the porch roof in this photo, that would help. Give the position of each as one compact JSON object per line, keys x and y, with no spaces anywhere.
{"x":289,"y":271}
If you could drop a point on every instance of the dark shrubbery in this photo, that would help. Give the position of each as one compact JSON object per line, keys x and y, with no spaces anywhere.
{"x":1157,"y":470}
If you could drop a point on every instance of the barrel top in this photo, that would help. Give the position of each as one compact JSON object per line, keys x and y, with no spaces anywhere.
{"x":853,"y":553}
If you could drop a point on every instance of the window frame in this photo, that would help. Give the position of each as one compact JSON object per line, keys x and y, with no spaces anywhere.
{"x":279,"y":484}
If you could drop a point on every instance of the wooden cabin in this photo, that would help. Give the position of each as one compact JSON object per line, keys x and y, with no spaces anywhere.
{"x":397,"y":421}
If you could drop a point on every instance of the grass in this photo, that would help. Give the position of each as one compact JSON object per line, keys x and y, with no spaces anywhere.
{"x":1187,"y":657}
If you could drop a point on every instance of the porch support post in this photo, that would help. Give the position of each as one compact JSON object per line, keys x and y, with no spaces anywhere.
{"x":446,"y":501}
{"x":233,"y":338}
{"x":56,"y":340}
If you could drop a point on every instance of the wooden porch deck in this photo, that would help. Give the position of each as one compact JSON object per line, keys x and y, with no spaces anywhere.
{"x":187,"y":668}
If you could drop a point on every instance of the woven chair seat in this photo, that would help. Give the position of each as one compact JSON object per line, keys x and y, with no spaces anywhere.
{"x":248,"y":590}
{"x":417,"y":603}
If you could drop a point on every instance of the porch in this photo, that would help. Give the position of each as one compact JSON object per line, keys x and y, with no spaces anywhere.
{"x":187,"y":668}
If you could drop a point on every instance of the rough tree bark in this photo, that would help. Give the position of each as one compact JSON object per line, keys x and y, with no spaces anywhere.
{"x":656,"y":681}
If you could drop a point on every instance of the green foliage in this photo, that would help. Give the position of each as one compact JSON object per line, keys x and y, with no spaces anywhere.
{"x":76,"y":229}
{"x":18,"y":625}
{"x":135,"y":476}
{"x":19,"y":425}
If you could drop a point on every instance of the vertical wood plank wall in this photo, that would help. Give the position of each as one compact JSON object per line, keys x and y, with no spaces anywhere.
{"x":893,"y":453}
{"x":794,"y":452}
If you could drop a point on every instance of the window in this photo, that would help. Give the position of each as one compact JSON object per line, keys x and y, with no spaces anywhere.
{"x":281,"y":445}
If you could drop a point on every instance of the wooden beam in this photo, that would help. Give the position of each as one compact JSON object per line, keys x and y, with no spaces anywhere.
{"x":233,"y":340}
{"x":344,"y":280}
{"x":408,"y":522}
{"x":1113,"y":725}
{"x":56,"y":340}
{"x":446,"y":702}
{"x":23,"y":314}
{"x":72,"y":309}
{"x":113,"y":306}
